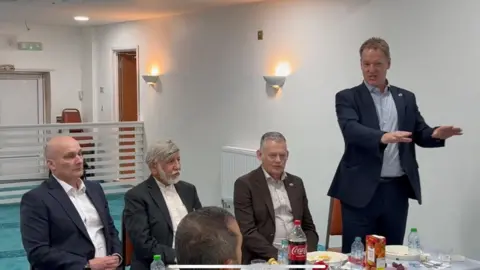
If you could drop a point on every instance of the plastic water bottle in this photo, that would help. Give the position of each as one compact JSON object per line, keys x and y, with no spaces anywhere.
{"x":357,"y":255}
{"x":157,"y":263}
{"x":414,"y":247}
{"x":283,"y":253}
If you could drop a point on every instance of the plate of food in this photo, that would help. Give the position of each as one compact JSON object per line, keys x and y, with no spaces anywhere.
{"x":400,"y":253}
{"x":327,"y":257}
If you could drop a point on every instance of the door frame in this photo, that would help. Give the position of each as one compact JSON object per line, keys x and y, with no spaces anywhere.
{"x":114,"y":55}
{"x":43,"y":91}
{"x":43,"y":103}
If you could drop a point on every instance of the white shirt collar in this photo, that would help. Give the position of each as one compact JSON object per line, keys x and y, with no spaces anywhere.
{"x":68,"y":188}
{"x":374,"y":89}
{"x":269,"y":177}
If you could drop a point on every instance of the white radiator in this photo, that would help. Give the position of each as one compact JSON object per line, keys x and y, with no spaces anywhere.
{"x":235,"y":162}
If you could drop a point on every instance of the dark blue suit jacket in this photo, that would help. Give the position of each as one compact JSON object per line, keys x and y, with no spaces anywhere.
{"x":53,"y":233}
{"x":358,"y":173}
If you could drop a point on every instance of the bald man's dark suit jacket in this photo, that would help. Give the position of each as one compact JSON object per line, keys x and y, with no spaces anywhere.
{"x":53,"y":233}
{"x":256,"y":217}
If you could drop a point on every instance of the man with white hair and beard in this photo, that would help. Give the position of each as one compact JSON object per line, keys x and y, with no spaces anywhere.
{"x":154,"y":208}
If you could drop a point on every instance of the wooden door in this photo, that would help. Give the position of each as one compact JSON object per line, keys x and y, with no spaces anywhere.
{"x":128,"y":104}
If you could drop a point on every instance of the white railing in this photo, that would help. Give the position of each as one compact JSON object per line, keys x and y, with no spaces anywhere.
{"x":113,"y":153}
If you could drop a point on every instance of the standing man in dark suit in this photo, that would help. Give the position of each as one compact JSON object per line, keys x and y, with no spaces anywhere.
{"x":65,"y":222}
{"x":154,"y":208}
{"x":268,"y":200}
{"x":378,"y":172}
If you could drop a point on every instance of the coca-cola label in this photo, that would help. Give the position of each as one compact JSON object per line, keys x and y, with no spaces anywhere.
{"x":297,"y":252}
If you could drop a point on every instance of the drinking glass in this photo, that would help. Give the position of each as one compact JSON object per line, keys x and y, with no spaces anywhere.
{"x":445,"y":256}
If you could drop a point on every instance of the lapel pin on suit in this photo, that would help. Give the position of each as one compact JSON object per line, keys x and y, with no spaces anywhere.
{"x":291,"y":184}
{"x":400,"y":94}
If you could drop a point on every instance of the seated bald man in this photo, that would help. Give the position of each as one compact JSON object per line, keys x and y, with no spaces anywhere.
{"x":65,"y":221}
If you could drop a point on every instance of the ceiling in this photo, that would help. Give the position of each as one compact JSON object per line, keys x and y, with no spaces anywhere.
{"x":61,"y":12}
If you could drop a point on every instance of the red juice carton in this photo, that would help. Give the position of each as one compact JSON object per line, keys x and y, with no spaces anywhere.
{"x":375,"y":252}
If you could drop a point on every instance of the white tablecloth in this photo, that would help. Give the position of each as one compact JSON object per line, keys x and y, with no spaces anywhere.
{"x":466,"y":265}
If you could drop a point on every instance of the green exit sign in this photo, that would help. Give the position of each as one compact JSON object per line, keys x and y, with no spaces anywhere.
{"x":30,"y":46}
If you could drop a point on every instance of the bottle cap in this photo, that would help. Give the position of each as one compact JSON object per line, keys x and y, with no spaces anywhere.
{"x":358,"y":238}
{"x":284,"y":242}
{"x":297,"y":222}
{"x":157,"y":257}
{"x":413,"y":230}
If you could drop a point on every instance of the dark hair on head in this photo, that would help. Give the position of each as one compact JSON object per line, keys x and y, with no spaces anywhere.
{"x":203,"y":237}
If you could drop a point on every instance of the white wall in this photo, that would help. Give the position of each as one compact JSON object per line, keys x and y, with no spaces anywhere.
{"x":213,"y":93}
{"x":61,"y":54}
{"x":89,"y":74}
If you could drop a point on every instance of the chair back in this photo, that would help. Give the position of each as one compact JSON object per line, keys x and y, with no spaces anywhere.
{"x":127,"y":245}
{"x":71,"y":115}
{"x":334,"y":226}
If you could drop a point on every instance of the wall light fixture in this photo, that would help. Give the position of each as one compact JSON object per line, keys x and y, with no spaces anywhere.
{"x":277,"y":81}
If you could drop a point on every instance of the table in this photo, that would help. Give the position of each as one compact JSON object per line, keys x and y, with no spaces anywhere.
{"x":466,"y":265}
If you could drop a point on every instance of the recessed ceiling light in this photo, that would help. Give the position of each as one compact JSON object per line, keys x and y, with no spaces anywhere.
{"x":81,"y":18}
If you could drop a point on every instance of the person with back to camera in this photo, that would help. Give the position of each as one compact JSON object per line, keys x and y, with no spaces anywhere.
{"x":209,"y":236}
{"x":378,"y":172}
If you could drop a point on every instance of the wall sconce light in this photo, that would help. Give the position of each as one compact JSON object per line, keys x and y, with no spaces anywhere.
{"x":276,"y":82}
{"x":281,"y":72}
{"x":151,"y":79}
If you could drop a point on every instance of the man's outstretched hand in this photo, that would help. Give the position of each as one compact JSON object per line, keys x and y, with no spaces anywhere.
{"x":445,"y":132}
{"x":397,"y":137}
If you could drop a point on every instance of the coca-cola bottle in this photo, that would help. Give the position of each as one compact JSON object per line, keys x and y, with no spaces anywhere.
{"x":297,"y":245}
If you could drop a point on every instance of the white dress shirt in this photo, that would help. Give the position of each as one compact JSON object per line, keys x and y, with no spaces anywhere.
{"x":89,"y":216}
{"x":176,"y":208}
{"x":281,"y":207}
